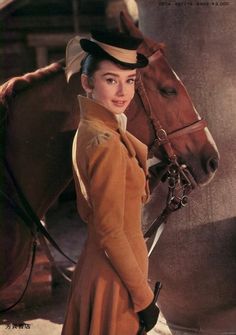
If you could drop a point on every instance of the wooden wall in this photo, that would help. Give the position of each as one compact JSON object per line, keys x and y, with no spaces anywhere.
{"x":35,"y":33}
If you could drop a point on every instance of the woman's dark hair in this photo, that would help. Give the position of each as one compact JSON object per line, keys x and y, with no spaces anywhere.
{"x":90,"y":64}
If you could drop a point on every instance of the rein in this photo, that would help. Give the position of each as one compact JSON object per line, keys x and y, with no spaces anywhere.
{"x":38,"y":231}
{"x":178,"y":175}
{"x":31,"y":215}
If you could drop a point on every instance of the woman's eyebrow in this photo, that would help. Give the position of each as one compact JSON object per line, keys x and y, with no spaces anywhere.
{"x":116,"y":75}
{"x":110,"y":74}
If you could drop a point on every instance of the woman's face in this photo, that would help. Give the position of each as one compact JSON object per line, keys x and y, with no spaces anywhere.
{"x":112,"y":86}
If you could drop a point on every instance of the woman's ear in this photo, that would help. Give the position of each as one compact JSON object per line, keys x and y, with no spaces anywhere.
{"x":86,"y":84}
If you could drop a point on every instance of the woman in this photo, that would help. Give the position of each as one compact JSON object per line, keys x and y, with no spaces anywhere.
{"x":109,"y":294}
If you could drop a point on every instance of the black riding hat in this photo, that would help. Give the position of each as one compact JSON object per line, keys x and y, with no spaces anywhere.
{"x":116,"y":46}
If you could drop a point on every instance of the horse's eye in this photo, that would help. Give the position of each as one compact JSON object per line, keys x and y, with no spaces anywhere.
{"x":168,"y":91}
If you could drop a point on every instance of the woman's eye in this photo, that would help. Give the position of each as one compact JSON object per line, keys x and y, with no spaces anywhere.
{"x":168,"y":91}
{"x":110,"y":81}
{"x":131,"y":81}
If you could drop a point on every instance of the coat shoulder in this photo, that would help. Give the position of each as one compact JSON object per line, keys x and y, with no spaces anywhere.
{"x":102,"y":142}
{"x":101,"y":138}
{"x":92,"y":134}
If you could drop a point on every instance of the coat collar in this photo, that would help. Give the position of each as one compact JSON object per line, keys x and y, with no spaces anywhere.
{"x":93,"y":111}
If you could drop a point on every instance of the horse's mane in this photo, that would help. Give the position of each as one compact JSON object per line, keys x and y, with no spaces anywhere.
{"x":17,"y":84}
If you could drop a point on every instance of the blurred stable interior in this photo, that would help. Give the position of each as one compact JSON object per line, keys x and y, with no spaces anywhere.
{"x":34,"y":34}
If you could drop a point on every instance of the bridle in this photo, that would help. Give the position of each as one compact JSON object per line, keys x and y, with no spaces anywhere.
{"x":178,"y":175}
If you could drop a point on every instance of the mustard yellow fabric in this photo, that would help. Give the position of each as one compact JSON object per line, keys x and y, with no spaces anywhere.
{"x":110,"y":280}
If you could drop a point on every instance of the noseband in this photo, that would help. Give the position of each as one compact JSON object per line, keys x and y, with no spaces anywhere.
{"x":178,"y":175}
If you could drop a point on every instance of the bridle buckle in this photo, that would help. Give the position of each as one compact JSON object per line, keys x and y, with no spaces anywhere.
{"x":161,"y":135}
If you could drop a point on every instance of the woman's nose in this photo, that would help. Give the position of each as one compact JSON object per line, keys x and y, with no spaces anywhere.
{"x":120,"y":89}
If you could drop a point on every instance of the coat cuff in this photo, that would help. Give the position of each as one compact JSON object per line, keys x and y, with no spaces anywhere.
{"x":143,"y":300}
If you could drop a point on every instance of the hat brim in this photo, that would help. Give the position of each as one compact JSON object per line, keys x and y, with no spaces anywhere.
{"x":95,"y":50}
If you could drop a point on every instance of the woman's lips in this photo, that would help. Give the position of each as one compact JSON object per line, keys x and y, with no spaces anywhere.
{"x":119,"y":103}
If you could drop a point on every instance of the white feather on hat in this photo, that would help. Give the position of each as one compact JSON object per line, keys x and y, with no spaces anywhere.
{"x":74,"y":56}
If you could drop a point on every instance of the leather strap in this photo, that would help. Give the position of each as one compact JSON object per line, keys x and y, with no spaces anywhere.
{"x":34,"y":246}
{"x":195,"y":126}
{"x":31,"y":215}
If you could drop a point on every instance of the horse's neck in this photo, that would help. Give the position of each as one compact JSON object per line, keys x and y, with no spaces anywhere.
{"x":41,"y":125}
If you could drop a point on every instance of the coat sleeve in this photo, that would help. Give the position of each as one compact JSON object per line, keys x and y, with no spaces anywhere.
{"x":107,"y":175}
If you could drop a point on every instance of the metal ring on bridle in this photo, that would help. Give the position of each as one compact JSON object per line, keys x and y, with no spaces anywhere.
{"x":161,"y":135}
{"x":171,"y":182}
{"x":184,"y":201}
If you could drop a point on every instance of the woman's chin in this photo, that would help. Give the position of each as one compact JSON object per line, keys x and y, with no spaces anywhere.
{"x":119,"y":110}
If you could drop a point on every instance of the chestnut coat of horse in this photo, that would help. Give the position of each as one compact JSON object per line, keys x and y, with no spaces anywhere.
{"x":40,"y":114}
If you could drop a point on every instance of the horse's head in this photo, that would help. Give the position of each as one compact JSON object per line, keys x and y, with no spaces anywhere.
{"x":167,"y":106}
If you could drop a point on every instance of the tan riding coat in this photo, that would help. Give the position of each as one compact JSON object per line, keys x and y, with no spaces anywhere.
{"x":110,"y":280}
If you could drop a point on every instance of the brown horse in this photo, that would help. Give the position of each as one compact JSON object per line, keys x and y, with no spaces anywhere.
{"x":40,"y":114}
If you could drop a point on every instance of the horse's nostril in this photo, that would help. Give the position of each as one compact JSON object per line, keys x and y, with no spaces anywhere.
{"x":212,"y":164}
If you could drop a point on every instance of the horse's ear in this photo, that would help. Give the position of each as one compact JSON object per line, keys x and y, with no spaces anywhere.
{"x":128,"y":26}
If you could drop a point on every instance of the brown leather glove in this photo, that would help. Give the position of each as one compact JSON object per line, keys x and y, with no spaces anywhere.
{"x":148,"y":317}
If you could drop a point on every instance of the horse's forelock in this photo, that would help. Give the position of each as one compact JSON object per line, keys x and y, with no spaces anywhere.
{"x":17,"y":84}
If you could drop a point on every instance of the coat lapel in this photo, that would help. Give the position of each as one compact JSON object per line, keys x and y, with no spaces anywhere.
{"x":135,"y":148}
{"x":140,"y":150}
{"x":126,"y":141}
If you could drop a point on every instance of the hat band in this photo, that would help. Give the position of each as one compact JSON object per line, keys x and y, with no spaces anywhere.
{"x":123,"y":55}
